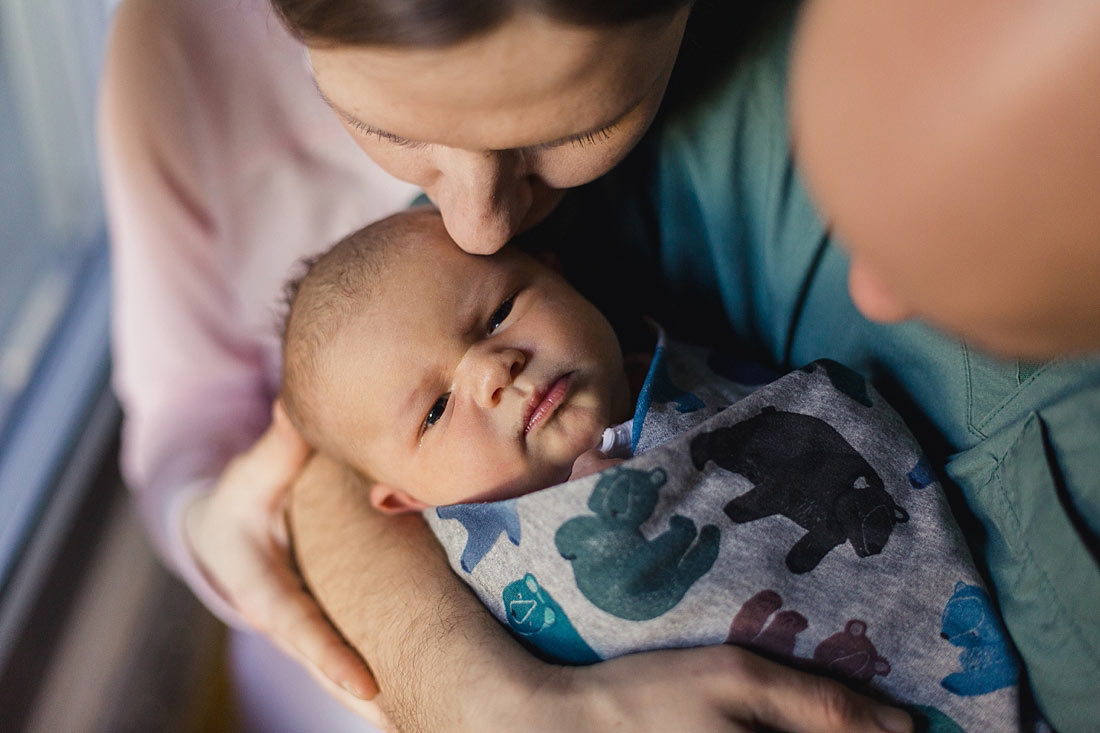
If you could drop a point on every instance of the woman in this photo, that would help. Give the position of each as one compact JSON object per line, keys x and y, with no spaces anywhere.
{"x":222,"y":167}
{"x":493,"y":146}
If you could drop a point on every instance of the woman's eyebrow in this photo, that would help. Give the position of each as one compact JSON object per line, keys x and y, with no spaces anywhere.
{"x":596,"y":131}
{"x":355,"y":121}
{"x":556,"y":143}
{"x":587,"y":135}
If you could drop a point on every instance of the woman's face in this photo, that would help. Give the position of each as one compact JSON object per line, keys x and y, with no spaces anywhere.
{"x":495,"y":127}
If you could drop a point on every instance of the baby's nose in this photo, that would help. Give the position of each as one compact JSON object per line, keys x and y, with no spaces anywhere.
{"x":497,"y":371}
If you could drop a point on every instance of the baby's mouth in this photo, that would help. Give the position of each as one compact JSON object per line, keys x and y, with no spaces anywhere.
{"x":544,"y":402}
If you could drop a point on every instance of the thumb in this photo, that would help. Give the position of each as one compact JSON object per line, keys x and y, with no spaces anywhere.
{"x":282,"y":427}
{"x":277,"y":457}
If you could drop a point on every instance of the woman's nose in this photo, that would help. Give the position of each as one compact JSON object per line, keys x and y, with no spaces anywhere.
{"x":483,"y":196}
{"x":494,"y":370}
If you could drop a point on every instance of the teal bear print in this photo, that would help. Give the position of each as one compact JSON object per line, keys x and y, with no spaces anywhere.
{"x":927,"y":719}
{"x":615,"y":566}
{"x":536,"y":617}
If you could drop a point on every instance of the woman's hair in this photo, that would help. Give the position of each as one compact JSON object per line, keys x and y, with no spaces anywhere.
{"x":443,"y":22}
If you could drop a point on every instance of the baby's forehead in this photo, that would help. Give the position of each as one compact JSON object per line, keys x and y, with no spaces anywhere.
{"x":431,"y":265}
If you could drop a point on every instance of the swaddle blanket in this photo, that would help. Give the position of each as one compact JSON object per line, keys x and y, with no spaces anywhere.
{"x":801,"y":521}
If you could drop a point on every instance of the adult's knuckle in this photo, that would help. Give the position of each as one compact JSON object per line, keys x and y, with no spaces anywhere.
{"x":836,"y":704}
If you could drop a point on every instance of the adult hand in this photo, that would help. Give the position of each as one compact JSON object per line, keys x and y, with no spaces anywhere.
{"x":717,"y":688}
{"x":590,"y":462}
{"x":238,"y":535}
{"x":724,"y":688}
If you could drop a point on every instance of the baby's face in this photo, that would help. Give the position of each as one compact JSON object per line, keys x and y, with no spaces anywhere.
{"x":472,"y":377}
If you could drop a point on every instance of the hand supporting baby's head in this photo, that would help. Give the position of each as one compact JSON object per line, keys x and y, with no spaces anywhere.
{"x":444,"y":376}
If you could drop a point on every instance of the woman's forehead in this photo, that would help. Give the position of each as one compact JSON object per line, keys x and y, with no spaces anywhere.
{"x":529,"y":81}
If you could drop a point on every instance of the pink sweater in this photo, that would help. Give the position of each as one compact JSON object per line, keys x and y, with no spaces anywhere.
{"x":222,"y":168}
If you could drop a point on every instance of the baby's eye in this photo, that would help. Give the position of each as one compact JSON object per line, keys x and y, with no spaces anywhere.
{"x":436,"y":411}
{"x":500,"y":315}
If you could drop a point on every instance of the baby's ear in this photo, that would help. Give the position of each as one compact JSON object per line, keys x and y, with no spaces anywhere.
{"x":389,"y":500}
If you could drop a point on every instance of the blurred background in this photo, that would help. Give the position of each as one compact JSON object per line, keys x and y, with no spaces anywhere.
{"x":94,"y":636}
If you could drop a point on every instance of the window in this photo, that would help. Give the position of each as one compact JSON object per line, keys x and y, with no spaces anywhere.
{"x":53,"y":278}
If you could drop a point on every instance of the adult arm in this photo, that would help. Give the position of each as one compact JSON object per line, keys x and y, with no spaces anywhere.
{"x":197,"y":107}
{"x":444,"y":663}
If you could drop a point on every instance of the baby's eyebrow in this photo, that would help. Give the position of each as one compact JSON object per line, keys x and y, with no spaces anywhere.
{"x":418,"y":396}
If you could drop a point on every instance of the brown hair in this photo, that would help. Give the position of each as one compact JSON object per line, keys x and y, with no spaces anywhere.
{"x":443,"y":22}
{"x":327,"y":293}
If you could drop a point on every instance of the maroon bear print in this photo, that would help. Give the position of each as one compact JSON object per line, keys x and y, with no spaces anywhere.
{"x":748,"y":630}
{"x":851,"y":654}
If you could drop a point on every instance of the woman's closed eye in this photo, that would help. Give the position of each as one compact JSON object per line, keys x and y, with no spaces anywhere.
{"x":436,"y":412}
{"x":500,"y":315}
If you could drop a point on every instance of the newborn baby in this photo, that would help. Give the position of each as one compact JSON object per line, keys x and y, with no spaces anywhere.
{"x":446,"y":377}
{"x":796,"y":517}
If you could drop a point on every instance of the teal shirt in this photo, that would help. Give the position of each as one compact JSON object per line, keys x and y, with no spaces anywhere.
{"x":709,"y":215}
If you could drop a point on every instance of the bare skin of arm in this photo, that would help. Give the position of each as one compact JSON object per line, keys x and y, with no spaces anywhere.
{"x":444,"y":663}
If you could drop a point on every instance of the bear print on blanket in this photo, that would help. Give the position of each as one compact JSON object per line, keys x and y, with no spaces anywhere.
{"x":616,"y":567}
{"x":986,"y":660}
{"x":802,"y":468}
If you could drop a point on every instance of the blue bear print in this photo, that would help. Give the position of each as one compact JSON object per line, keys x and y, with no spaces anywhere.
{"x":970,"y":622}
{"x":484,"y":523}
{"x":615,"y":566}
{"x":536,"y":617}
{"x":922,"y":475}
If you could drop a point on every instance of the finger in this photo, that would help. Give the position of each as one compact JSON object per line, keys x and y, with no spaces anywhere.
{"x":787,"y":699}
{"x":287,"y":432}
{"x":274,"y":460}
{"x":371,"y":710}
{"x":591,"y":462}
{"x":296,"y":619}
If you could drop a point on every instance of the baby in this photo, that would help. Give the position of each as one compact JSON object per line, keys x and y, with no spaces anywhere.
{"x":445,"y":377}
{"x":798,"y":517}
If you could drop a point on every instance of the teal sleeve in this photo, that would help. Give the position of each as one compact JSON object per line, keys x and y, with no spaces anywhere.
{"x":722,"y":215}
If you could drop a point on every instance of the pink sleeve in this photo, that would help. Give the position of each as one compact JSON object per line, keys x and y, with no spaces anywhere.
{"x":189,"y":383}
{"x":220,"y":169}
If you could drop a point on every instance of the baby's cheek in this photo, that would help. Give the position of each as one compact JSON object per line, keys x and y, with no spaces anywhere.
{"x":475,"y":475}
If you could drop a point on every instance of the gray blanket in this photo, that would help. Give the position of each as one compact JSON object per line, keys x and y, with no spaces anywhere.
{"x":801,"y":521}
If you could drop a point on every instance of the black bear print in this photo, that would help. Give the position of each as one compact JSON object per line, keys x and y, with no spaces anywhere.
{"x":802,"y":468}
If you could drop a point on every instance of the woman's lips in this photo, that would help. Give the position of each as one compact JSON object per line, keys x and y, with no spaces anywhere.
{"x":543,"y":405}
